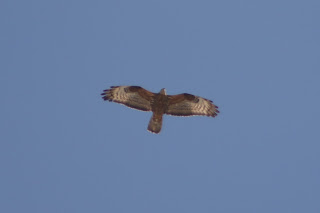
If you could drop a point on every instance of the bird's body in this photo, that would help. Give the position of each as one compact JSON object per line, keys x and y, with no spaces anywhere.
{"x":160,"y":103}
{"x":159,"y":107}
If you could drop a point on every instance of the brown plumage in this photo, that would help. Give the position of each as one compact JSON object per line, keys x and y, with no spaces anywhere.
{"x":160,"y":103}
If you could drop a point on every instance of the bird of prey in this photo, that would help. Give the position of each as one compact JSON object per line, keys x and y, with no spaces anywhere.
{"x":160,"y":103}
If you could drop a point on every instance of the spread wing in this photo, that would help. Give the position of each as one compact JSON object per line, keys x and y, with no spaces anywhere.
{"x":189,"y":105}
{"x":132,"y":96}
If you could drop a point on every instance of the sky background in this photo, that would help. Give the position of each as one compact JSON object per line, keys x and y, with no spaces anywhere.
{"x":63,"y":149}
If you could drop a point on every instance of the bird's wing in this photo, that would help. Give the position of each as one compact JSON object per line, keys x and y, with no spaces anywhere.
{"x":132,"y":96}
{"x":189,"y":105}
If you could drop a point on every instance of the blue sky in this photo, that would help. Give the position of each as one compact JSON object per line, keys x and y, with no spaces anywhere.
{"x":63,"y":149}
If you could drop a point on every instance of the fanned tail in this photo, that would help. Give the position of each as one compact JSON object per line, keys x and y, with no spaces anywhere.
{"x":155,"y":123}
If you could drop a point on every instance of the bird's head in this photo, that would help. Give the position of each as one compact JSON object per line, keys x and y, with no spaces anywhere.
{"x":163,"y":91}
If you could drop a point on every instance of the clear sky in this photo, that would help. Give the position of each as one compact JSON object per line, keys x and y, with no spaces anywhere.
{"x":63,"y":149}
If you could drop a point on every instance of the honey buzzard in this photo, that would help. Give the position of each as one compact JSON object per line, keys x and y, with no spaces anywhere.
{"x":160,"y":103}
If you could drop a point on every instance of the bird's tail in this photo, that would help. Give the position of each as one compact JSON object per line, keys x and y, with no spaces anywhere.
{"x":155,"y":123}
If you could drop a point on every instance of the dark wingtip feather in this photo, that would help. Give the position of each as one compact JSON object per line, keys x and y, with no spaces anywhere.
{"x":105,"y":97}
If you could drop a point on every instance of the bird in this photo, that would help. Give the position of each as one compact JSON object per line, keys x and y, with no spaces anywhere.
{"x":160,"y":103}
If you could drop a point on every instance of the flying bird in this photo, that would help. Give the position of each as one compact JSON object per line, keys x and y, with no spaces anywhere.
{"x":160,"y":103}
